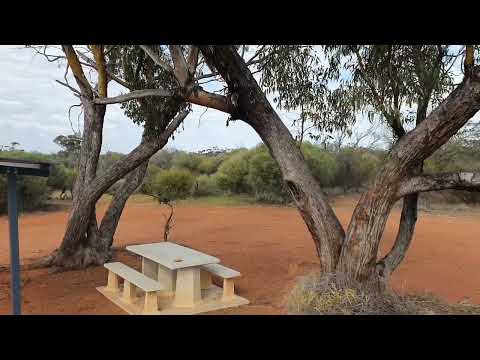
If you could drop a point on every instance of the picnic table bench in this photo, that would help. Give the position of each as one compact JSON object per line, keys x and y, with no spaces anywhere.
{"x":225,"y":273}
{"x":174,"y":278}
{"x":132,"y":280}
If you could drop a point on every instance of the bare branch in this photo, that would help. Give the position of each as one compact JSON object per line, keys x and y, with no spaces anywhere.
{"x":76,"y":68}
{"x":181,"y":67}
{"x":193,"y":59}
{"x":467,"y":181}
{"x":68,"y":86}
{"x":156,"y":58}
{"x":91,"y":63}
{"x":99,"y":56}
{"x":137,"y":94}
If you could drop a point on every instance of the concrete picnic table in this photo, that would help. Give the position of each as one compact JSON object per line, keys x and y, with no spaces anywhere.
{"x":175,"y":266}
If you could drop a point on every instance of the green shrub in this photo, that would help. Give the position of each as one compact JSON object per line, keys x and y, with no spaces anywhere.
{"x":59,"y":177}
{"x":173,"y":184}
{"x":322,"y":164}
{"x":205,"y":185}
{"x":187,"y":161}
{"x":152,"y":172}
{"x":209,"y":164}
{"x":232,"y":173}
{"x":264,"y":177}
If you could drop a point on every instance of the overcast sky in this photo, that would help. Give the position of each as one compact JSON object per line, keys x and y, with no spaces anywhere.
{"x":34,"y":110}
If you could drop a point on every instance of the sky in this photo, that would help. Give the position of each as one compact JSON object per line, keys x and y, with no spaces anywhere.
{"x":34,"y":110}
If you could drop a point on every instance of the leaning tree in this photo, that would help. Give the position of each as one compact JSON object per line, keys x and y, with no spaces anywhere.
{"x":371,"y":83}
{"x":85,"y":242}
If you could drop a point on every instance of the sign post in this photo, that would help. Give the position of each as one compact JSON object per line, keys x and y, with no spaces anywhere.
{"x":14,"y":246}
{"x":12,"y":168}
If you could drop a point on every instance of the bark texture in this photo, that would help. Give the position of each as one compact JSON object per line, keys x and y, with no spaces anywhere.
{"x":359,"y":252}
{"x":357,"y":262}
{"x":112,"y":216}
{"x":253,"y":107}
{"x":83,"y":243}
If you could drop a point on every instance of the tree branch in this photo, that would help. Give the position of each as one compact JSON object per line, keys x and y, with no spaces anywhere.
{"x":99,"y":57}
{"x":77,"y":70}
{"x":193,"y":59}
{"x":136,"y":94}
{"x":115,"y":78}
{"x":467,"y":181}
{"x":156,"y":58}
{"x":180,"y":64}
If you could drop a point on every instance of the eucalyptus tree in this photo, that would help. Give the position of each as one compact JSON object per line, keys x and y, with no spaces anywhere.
{"x":85,"y":242}
{"x":351,"y":253}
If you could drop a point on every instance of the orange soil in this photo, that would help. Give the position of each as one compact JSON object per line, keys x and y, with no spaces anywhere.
{"x":270,"y":246}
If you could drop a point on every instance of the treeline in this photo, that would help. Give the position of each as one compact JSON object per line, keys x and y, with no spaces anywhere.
{"x":174,"y":174}
{"x":179,"y":174}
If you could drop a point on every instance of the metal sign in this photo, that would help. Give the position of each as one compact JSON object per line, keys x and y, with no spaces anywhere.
{"x":14,"y":167}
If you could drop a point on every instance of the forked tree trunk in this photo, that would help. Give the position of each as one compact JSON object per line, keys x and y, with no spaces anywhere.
{"x":78,"y":249}
{"x":358,"y":257}
{"x":359,"y":248}
{"x":254,"y":108}
{"x":112,"y":216}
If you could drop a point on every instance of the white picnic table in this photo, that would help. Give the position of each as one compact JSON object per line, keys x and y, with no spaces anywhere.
{"x":175,"y":266}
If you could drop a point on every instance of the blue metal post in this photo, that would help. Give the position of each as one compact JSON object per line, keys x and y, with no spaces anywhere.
{"x":14,"y":247}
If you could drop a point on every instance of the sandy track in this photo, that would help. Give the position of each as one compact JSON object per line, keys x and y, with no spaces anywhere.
{"x":270,"y":246}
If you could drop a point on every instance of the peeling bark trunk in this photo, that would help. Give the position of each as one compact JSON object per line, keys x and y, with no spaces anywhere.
{"x":111,"y":218}
{"x":253,"y":107}
{"x":82,"y":244}
{"x":359,"y":252}
{"x":359,"y":248}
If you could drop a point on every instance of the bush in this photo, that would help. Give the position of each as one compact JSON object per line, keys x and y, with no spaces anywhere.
{"x":205,"y":185}
{"x":152,"y":172}
{"x":173,"y":184}
{"x":322,"y":164}
{"x":209,"y":164}
{"x":264,"y":177}
{"x":232,"y":173}
{"x":187,"y":161}
{"x":59,"y":176}
{"x":33,"y":192}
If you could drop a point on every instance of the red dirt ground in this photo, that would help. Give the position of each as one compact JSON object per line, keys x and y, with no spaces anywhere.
{"x":270,"y":246}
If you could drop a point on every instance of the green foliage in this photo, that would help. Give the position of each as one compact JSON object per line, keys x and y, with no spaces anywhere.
{"x":32,"y":193}
{"x":322,"y":164}
{"x":173,"y":184}
{"x":152,"y":172}
{"x":209,"y":164}
{"x":205,"y":185}
{"x":232,"y":173}
{"x":264,"y":177}
{"x":58,"y":178}
{"x":187,"y":161}
{"x":356,"y":167}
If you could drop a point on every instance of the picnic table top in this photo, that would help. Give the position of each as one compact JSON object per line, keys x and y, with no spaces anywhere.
{"x":172,"y":256}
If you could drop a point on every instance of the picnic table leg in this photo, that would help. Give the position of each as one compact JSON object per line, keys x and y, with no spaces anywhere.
{"x":188,"y":292}
{"x":151,"y":302}
{"x":129,"y":292}
{"x":205,"y":279}
{"x":168,"y":278}
{"x":228,"y":290}
{"x":112,"y":283}
{"x":149,"y":268}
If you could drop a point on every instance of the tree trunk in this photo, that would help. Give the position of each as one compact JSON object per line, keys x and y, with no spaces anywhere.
{"x":254,"y":108}
{"x":359,"y":248}
{"x":111,"y":218}
{"x":78,"y":249}
{"x":359,"y":252}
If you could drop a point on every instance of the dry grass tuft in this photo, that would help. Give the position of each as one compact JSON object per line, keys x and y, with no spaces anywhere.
{"x":319,"y":294}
